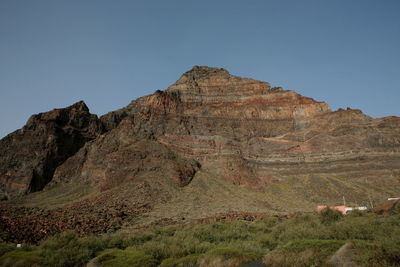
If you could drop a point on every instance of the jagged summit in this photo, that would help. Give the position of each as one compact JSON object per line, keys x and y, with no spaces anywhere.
{"x":29,"y":156}
{"x":199,"y":75}
{"x":80,"y":105}
{"x":207,"y":74}
{"x":210,"y":82}
{"x":202,"y":72}
{"x":61,"y":114}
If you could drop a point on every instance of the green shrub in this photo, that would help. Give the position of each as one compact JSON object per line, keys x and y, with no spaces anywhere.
{"x":222,"y":232}
{"x":377,"y":253}
{"x":5,"y":248}
{"x":187,"y":260}
{"x":21,"y":258}
{"x":128,"y":257}
{"x":266,"y":241}
{"x":328,"y":216}
{"x":66,"y":250}
{"x":303,"y":253}
{"x":389,"y":244}
{"x":356,"y":213}
{"x":301,"y":227}
{"x":227,"y":256}
{"x":218,"y":242}
{"x":232,"y":252}
{"x":363,"y":228}
{"x":135,"y":239}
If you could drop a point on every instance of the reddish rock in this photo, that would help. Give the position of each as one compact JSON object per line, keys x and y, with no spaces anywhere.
{"x":389,"y":207}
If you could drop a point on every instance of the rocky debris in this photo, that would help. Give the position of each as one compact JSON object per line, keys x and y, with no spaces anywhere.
{"x":389,"y":207}
{"x":221,"y":217}
{"x":29,"y":156}
{"x":233,"y":216}
{"x":105,"y":213}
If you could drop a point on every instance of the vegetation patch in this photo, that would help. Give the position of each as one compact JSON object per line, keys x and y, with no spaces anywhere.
{"x":125,"y":258}
{"x":386,"y":253}
{"x":305,"y":239}
{"x":4,"y":248}
{"x":329,"y":216}
{"x":184,"y":261}
{"x":21,"y":258}
{"x":303,"y":253}
{"x":226,"y":256}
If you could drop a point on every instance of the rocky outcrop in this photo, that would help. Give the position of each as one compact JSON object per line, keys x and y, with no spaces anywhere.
{"x":389,"y":207}
{"x":208,"y":139}
{"x":118,"y":158}
{"x":112,"y":119}
{"x":29,"y":156}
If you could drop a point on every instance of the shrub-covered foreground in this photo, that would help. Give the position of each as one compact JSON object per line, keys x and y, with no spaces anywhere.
{"x":305,"y":240}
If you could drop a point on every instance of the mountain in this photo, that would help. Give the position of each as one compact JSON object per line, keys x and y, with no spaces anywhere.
{"x":211,"y":143}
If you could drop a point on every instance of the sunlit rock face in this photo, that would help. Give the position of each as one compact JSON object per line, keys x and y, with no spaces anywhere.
{"x":253,"y":134}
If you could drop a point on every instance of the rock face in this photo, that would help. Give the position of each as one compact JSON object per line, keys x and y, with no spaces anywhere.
{"x":210,"y":140}
{"x":29,"y":156}
{"x":247,"y":133}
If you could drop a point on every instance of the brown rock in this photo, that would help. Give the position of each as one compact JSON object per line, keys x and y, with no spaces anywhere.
{"x":247,"y":133}
{"x":29,"y":156}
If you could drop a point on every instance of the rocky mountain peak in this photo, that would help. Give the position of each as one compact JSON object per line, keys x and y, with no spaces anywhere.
{"x":209,"y":81}
{"x":60,"y":115}
{"x":234,"y":143}
{"x":80,"y":105}
{"x":203,"y":72}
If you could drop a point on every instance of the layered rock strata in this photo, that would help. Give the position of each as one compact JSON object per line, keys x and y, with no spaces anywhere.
{"x":243,"y":131}
{"x":210,"y":143}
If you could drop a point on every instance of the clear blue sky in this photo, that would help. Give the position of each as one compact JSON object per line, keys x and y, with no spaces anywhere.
{"x":107,"y":53}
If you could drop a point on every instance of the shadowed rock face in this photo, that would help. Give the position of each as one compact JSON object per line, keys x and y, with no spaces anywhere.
{"x":29,"y":156}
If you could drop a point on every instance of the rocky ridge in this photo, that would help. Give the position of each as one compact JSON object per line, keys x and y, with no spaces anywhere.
{"x":29,"y":156}
{"x":210,"y":143}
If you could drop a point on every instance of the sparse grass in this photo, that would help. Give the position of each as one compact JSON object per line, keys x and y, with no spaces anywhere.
{"x":312,"y":237}
{"x":55,"y":197}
